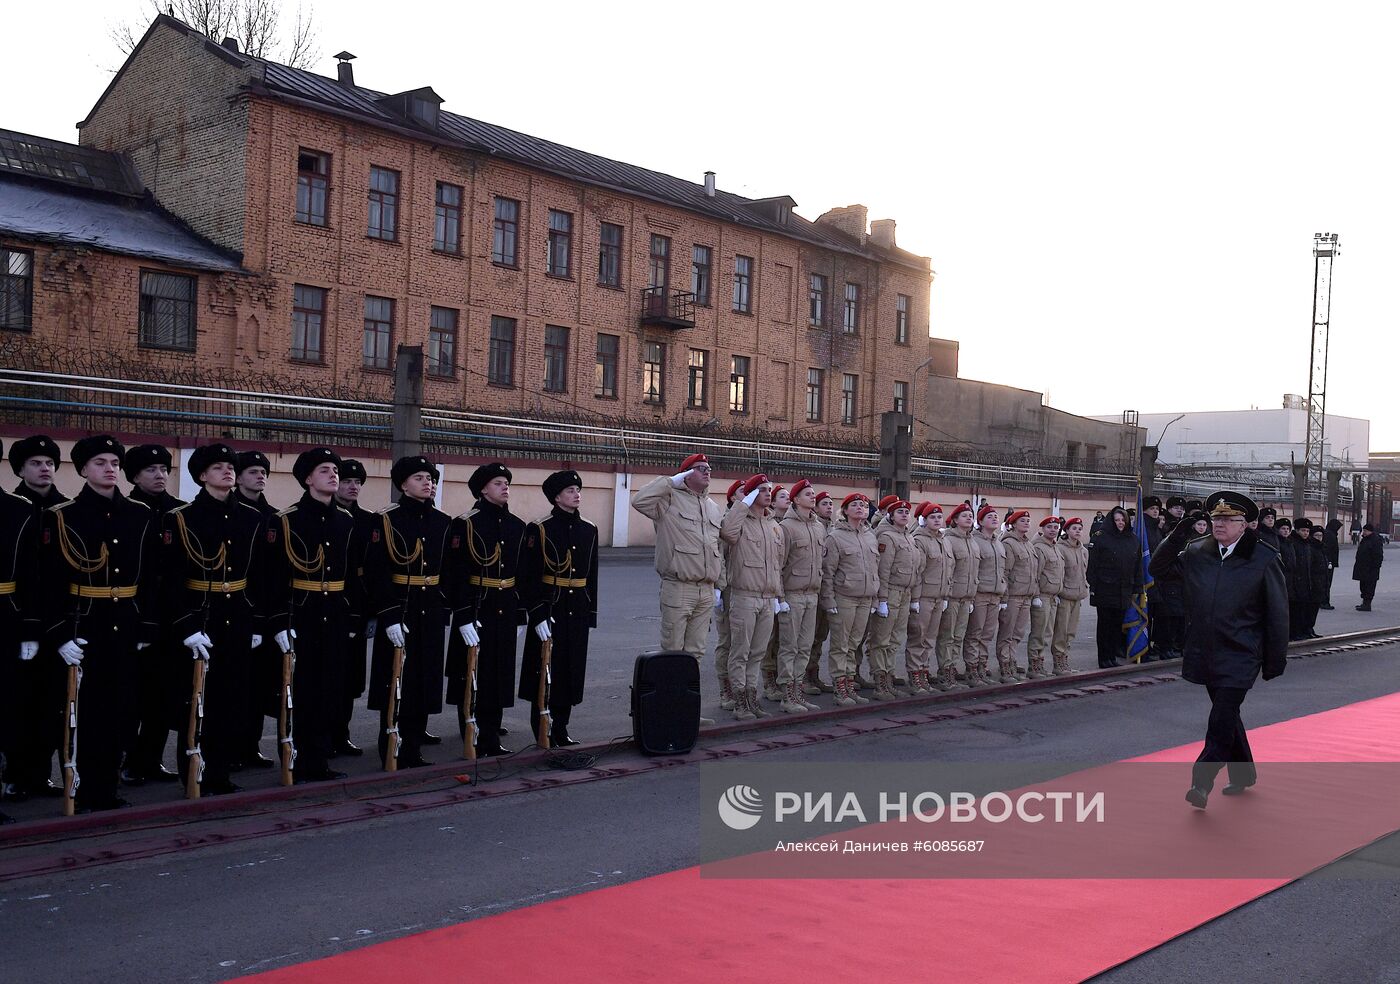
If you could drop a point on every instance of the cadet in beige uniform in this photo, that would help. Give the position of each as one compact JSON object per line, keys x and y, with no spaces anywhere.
{"x":1022,"y":584}
{"x":777,"y":512}
{"x":812,"y":682}
{"x":901,"y":564}
{"x":930,"y":600}
{"x":850,"y":583}
{"x":991,"y":593}
{"x":1074,"y":590}
{"x":962,"y":588}
{"x":803,"y":536}
{"x":726,"y":694}
{"x":1043,"y":605}
{"x":755,"y":590}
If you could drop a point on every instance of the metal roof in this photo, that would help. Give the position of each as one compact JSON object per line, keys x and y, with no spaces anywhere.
{"x":39,"y":158}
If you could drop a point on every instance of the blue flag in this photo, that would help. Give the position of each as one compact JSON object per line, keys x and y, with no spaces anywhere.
{"x":1135,"y":618}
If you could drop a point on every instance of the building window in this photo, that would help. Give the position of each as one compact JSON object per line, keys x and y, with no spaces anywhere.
{"x":167,"y":310}
{"x":16,"y":289}
{"x":442,"y":342}
{"x":610,"y":255}
{"x":505,"y":232}
{"x":1071,"y":455}
{"x":560,"y":246}
{"x":814,"y":395}
{"x":743,"y":284}
{"x":850,"y":322}
{"x":605,"y":370}
{"x":308,"y":321}
{"x":901,"y":397}
{"x":697,"y":394}
{"x":313,"y":186}
{"x":447,"y":224}
{"x":383,"y":203}
{"x":653,"y":372}
{"x":1091,"y":457}
{"x":816,"y":300}
{"x":556,"y":359}
{"x":659,"y":270}
{"x":739,"y":384}
{"x":500,"y":361}
{"x":379,"y":332}
{"x":700,"y":275}
{"x":848,"y":398}
{"x":901,"y":319}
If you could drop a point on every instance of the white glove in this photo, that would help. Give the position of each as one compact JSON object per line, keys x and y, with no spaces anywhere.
{"x":873,"y":609}
{"x":783,"y":607}
{"x":752,"y":497}
{"x":922,"y":521}
{"x":883,"y":609}
{"x":719,"y":601}
{"x":677,"y":480}
{"x":1329,"y":567}
{"x":72,"y":651}
{"x":469,"y":634}
{"x":777,"y":605}
{"x":395,"y":634}
{"x":371,"y":628}
{"x":945,"y":605}
{"x":199,"y":645}
{"x":970,"y":607}
{"x":542,"y":630}
{"x":257,"y":641}
{"x":28,"y":650}
{"x":1002,"y":606}
{"x":1036,"y":603}
{"x":142,"y":645}
{"x":833,"y":611}
{"x":284,"y":639}
{"x":914,"y":607}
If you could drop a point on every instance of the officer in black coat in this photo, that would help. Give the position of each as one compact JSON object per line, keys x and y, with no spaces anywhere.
{"x":314,"y":599}
{"x":100,"y":554}
{"x":347,"y":495}
{"x":1331,"y":546}
{"x":404,"y":568}
{"x":19,"y":633}
{"x":1236,"y":625}
{"x":483,"y":563}
{"x":1300,"y":580}
{"x":1366,"y":568}
{"x":211,"y":582}
{"x":1320,"y":569}
{"x":559,"y":584}
{"x":164,"y":669}
{"x":39,"y":681}
{"x":251,"y":478}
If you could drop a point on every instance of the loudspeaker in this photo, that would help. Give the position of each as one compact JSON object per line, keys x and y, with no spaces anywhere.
{"x":666,"y":703}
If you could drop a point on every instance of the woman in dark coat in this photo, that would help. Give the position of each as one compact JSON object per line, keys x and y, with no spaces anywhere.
{"x":1114,"y":575}
{"x":1370,"y":554}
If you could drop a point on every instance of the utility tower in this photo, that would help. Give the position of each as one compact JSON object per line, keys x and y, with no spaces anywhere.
{"x":1325,"y":249}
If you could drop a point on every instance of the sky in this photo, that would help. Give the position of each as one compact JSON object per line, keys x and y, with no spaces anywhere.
{"x":1119,"y":199}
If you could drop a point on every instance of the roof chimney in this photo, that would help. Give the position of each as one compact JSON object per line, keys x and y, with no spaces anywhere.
{"x":882,"y":233}
{"x":709,"y":184}
{"x":344,"y":72}
{"x":231,"y":44}
{"x":849,"y":220}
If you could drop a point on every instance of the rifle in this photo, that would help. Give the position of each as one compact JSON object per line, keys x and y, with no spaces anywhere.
{"x":285,"y":744}
{"x":542,"y":697}
{"x":194,"y":768}
{"x":70,"y":742}
{"x":391,"y":729}
{"x":469,"y":751}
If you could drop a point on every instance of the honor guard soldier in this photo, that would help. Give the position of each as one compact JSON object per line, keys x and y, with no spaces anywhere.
{"x":35,"y":684}
{"x":253,"y":469}
{"x":850,"y":582}
{"x":100,"y":555}
{"x":347,"y":495}
{"x":314,"y":598}
{"x":901,"y":563}
{"x":560,"y":591}
{"x":953,"y":641}
{"x":987,"y":604}
{"x":19,"y":634}
{"x":812,"y":682}
{"x":755,"y":590}
{"x":165,"y":668}
{"x":213,"y":559}
{"x":1022,"y":589}
{"x":408,"y":599}
{"x":483,"y":564}
{"x":929,"y":605}
{"x":803,"y":537}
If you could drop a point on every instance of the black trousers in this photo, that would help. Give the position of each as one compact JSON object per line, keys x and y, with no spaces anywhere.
{"x":1173,"y":630}
{"x":1109,"y":635}
{"x":1368,"y":590}
{"x":33,"y":709}
{"x":1327,"y":597}
{"x":559,"y":711}
{"x":412,"y":724}
{"x":1226,"y":743}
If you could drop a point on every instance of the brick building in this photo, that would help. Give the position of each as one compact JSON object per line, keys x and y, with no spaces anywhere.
{"x":539,"y":279}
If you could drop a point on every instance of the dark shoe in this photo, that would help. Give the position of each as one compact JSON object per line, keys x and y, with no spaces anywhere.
{"x":259,"y":761}
{"x":347,"y":747}
{"x":1236,"y":788}
{"x":6,"y":818}
{"x":1363,"y":608}
{"x":563,"y":739}
{"x":50,"y":789}
{"x":417,"y":762}
{"x":489,"y":751}
{"x":1196,"y":796}
{"x":133,"y":778}
{"x":14,"y":793}
{"x":502,"y":731}
{"x":1328,"y":608}
{"x":218,"y":787}
{"x":162,"y":774}
{"x":428,"y":739}
{"x":321,"y":775}
{"x":102,"y":805}
{"x":1314,"y":635}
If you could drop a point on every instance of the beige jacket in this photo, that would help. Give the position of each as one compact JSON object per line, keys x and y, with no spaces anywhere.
{"x":1076,"y":580}
{"x":802,"y":551}
{"x":850,"y":564}
{"x":900,"y":559}
{"x":687,"y":531}
{"x":1052,"y":566}
{"x":991,"y":563}
{"x":966,"y":563}
{"x":1022,"y":567}
{"x":755,"y":551}
{"x":937,"y":572}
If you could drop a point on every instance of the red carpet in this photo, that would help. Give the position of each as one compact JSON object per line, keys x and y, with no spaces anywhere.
{"x":682,"y":927}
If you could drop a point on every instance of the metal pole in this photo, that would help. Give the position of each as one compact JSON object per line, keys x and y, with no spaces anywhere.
{"x":408,"y":401}
{"x":1300,"y":485}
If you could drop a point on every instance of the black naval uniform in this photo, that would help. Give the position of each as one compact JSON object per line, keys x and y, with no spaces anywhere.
{"x":366,"y":522}
{"x":266,"y":677}
{"x":164,"y":676}
{"x":313,"y":588}
{"x":404,"y":578}
{"x":559,"y":581}
{"x":212,"y":568}
{"x":19,"y":623}
{"x":483,"y":563}
{"x":100,"y":560}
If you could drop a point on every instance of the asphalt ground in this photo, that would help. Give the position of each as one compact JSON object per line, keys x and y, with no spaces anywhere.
{"x":225,"y":910}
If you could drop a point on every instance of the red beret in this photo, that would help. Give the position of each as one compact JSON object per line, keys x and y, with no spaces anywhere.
{"x":932,"y":507}
{"x":958,"y":510}
{"x":1072,"y":520}
{"x":896,"y":505}
{"x":922,"y":509}
{"x":888,"y":501}
{"x":823,"y":494}
{"x":853,"y":497}
{"x":798,"y":487}
{"x":1048,"y":520}
{"x":988,"y":508}
{"x":729,"y":496}
{"x":1017,"y":514}
{"x":752,"y":482}
{"x":777,"y":489}
{"x":693,"y":460}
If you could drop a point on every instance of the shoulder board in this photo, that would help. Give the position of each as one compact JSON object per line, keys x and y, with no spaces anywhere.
{"x":540,"y":522}
{"x":468,"y":514}
{"x":344,"y":512}
{"x":582,"y":520}
{"x":17,"y":497}
{"x":288,"y":511}
{"x":58,"y":505}
{"x":389,"y":508}
{"x":1271,"y":545}
{"x":249,"y":505}
{"x":138,"y":502}
{"x":180,"y":507}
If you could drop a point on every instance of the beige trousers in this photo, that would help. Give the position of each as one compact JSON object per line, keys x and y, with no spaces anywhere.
{"x":891,"y":633}
{"x":796,"y":627}
{"x":1066,"y":625}
{"x":750,"y":625}
{"x":952,"y":634}
{"x":1012,"y":622}
{"x":686,"y":607}
{"x":924,"y":626}
{"x":1042,"y":627}
{"x":847,"y":630}
{"x":982,"y":627}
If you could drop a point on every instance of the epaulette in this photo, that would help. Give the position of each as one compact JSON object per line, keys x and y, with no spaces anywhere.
{"x":389,"y":508}
{"x":57,"y":505}
{"x":1268,"y":543}
{"x":342,"y":509}
{"x":248,"y":505}
{"x":285,"y":512}
{"x":16,"y":495}
{"x":469,"y":514}
{"x":139,"y":503}
{"x":540,"y":522}
{"x":183,"y":505}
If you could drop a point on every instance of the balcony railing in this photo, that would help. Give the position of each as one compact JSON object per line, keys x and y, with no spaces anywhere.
{"x":669,"y":308}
